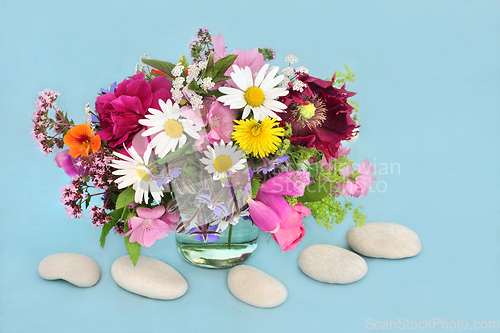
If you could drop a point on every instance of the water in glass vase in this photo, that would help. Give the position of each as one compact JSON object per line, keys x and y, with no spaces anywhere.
{"x":233,"y":246}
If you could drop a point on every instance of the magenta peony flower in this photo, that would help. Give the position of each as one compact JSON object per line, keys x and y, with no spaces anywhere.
{"x":291,"y":230}
{"x":362,"y":180}
{"x":320,"y":116}
{"x":151,"y":225}
{"x":270,"y":208}
{"x":120,"y":111}
{"x":65,"y":161}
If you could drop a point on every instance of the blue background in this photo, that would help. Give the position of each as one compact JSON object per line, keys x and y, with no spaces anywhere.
{"x":428,"y":82}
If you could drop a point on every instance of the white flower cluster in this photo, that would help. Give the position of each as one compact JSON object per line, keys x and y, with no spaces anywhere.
{"x":177,"y":86}
{"x":140,"y":67}
{"x":284,"y":83}
{"x":302,"y":70}
{"x":291,"y":59}
{"x":288,"y":71}
{"x":194,"y":70}
{"x":178,"y":69}
{"x":195,"y":99}
{"x":299,"y":85}
{"x":88,"y":121}
{"x":206,"y":84}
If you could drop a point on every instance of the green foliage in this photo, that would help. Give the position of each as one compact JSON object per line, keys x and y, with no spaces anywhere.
{"x":115,"y":217}
{"x":316,"y":191}
{"x":134,"y":249}
{"x":267,"y":53}
{"x":292,"y":199}
{"x":125,"y":197}
{"x":106,"y":229}
{"x":184,"y":61}
{"x":341,"y":78}
{"x":165,"y":67}
{"x":217,"y":70}
{"x":255,"y":183}
{"x":328,"y":212}
{"x":358,"y":216}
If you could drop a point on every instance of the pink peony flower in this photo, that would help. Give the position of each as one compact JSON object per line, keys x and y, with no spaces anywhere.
{"x":120,"y":111}
{"x":150,"y":225}
{"x":291,"y":230}
{"x":363,"y":180}
{"x":270,"y":208}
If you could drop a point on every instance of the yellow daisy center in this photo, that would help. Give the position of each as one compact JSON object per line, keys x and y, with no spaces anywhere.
{"x":142,"y":173}
{"x":173,"y":128}
{"x":254,"y":96}
{"x":307,"y":111}
{"x":223,"y":163}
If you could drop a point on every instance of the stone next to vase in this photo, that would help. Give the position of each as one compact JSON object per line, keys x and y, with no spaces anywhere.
{"x":78,"y":269}
{"x":384,"y":240}
{"x":254,"y":287}
{"x":150,"y":277}
{"x":332,"y":264}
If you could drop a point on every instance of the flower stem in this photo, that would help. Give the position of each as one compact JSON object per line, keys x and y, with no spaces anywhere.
{"x":229,"y":237}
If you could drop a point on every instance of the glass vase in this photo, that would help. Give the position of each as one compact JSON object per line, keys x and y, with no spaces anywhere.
{"x":233,"y":246}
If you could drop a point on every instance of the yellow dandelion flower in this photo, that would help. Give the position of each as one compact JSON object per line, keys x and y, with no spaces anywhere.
{"x":260,"y":139}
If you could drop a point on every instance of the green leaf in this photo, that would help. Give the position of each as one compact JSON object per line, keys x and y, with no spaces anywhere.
{"x":106,"y":228}
{"x":126,"y":197}
{"x":134,"y":249}
{"x":184,"y":61}
{"x":223,"y":64}
{"x":194,"y":86}
{"x":220,"y":78}
{"x":316,"y":191}
{"x":215,"y":93}
{"x":116,"y":214}
{"x":255,"y":183}
{"x":165,"y":67}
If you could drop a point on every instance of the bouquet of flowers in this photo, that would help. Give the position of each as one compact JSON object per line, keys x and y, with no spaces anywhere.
{"x":192,"y":148}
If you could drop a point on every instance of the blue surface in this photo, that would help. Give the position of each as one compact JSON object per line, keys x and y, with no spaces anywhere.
{"x":428,"y":82}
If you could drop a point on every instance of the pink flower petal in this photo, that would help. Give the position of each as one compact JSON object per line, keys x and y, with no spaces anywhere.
{"x":262,"y":215}
{"x":147,"y":213}
{"x":287,"y":183}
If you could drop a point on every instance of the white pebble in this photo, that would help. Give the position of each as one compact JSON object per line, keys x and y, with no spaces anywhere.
{"x":150,"y":277}
{"x":254,"y":287}
{"x":384,"y":240}
{"x":332,"y":264}
{"x":78,"y":269}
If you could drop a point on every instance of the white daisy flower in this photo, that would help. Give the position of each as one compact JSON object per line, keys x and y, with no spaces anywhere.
{"x":259,"y":96}
{"x":170,"y":128}
{"x":134,"y":171}
{"x":222,"y":158}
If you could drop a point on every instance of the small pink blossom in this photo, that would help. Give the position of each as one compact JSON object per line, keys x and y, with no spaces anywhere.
{"x":149,"y":226}
{"x":363,"y":180}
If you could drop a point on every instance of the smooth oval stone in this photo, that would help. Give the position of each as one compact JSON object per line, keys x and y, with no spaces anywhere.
{"x":384,"y":240}
{"x":332,"y":264}
{"x":150,"y":277}
{"x":254,"y":287}
{"x":78,"y":269}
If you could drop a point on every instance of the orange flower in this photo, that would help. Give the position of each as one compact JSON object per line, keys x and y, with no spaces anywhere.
{"x":80,"y":139}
